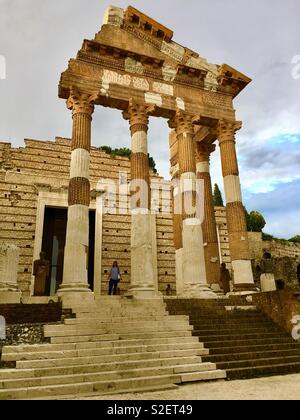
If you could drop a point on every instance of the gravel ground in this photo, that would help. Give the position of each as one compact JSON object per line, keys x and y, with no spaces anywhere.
{"x":272,"y":388}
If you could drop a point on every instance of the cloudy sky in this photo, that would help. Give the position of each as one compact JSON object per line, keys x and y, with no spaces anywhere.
{"x":259,"y":37}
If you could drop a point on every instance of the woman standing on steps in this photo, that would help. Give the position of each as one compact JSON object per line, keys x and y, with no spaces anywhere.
{"x":114,"y":277}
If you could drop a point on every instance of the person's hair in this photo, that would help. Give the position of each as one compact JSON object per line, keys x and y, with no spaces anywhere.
{"x":223,"y":265}
{"x":115,"y":264}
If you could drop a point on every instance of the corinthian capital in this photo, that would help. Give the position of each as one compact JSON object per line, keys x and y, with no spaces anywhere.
{"x":83,"y":103}
{"x":227,"y":129}
{"x":138,"y":116}
{"x":203,"y":151}
{"x":182,"y":123}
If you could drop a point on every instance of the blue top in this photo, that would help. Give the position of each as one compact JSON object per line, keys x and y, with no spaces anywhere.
{"x":114,"y":274}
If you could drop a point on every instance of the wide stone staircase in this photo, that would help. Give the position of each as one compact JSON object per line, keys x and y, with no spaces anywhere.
{"x":115,"y":346}
{"x":240,"y":338}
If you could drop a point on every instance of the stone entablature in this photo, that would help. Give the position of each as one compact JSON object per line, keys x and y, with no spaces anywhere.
{"x":151,"y":69}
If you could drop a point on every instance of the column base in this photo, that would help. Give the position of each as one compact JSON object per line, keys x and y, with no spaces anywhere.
{"x":143,"y":293}
{"x":72,"y":297}
{"x":198,"y":292}
{"x":10,"y":297}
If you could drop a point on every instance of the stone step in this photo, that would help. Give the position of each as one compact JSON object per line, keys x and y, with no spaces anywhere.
{"x":119,"y":307}
{"x":247,"y":342}
{"x":219,"y":317}
{"x":129,"y":336}
{"x":251,"y":355}
{"x":27,"y":348}
{"x":231,"y":319}
{"x":126,"y":323}
{"x":27,"y":364}
{"x":225,"y":337}
{"x":52,"y":354}
{"x":120,"y":312}
{"x":270,"y":361}
{"x":132,"y":317}
{"x":107,"y":387}
{"x":203,"y":376}
{"x":254,"y":348}
{"x":153,"y":388}
{"x":234,"y":327}
{"x":100,"y":367}
{"x":105,"y":376}
{"x":266,"y":370}
{"x":241,"y":331}
{"x":86,"y":387}
{"x":80,"y":330}
{"x":230,"y":322}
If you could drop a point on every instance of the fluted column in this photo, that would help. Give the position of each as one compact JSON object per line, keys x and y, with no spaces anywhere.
{"x":193,"y":260}
{"x":176,"y":197}
{"x":142,"y":263}
{"x":236,"y":218}
{"x":209,"y":227}
{"x":75,"y":275}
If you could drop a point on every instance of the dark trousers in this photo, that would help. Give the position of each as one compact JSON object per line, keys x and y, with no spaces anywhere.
{"x":112,"y":288}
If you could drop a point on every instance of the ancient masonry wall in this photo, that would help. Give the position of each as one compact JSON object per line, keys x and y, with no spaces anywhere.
{"x":22,"y":172}
{"x":282,"y":249}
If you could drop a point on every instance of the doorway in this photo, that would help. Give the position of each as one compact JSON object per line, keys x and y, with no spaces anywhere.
{"x":53,"y":245}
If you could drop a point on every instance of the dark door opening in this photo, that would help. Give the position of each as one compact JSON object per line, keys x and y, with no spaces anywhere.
{"x":91,"y":267}
{"x":54,"y":237}
{"x":53,"y":244}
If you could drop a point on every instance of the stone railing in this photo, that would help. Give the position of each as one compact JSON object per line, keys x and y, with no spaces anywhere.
{"x":281,"y":306}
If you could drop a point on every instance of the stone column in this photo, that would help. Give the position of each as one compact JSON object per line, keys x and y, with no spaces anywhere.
{"x":74,"y":287}
{"x":209,"y":227}
{"x":193,"y":261}
{"x":142,"y":263}
{"x":236,"y":218}
{"x":177,"y":225}
{"x":9,"y":263}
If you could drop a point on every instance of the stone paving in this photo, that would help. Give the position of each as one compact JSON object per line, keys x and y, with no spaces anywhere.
{"x":272,"y":388}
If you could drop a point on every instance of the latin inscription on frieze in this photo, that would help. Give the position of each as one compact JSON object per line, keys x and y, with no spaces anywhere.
{"x":114,"y":77}
{"x":110,"y":76}
{"x":140,"y":83}
{"x":163,"y":88}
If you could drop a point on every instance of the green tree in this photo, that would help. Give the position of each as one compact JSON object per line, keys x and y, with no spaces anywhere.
{"x":218,"y":199}
{"x":295,"y":239}
{"x":125,"y":152}
{"x":256,"y":222}
{"x":248,"y":220}
{"x":267,"y":237}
